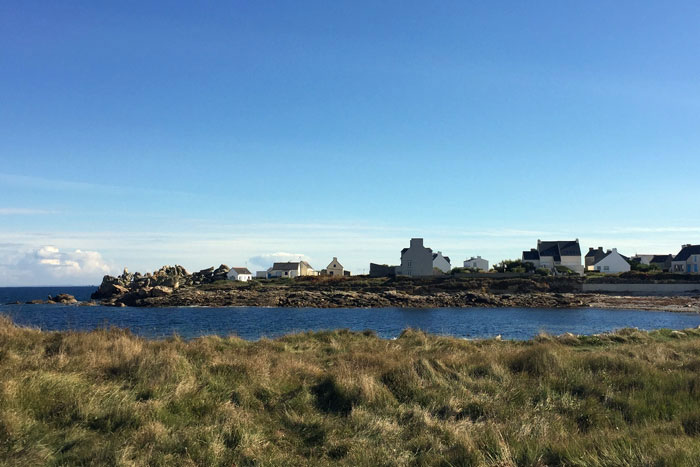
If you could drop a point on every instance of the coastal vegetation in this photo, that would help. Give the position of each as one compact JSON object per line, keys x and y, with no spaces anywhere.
{"x":108,"y":397}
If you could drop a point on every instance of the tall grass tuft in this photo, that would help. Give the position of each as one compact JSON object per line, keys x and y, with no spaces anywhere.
{"x":108,"y":397}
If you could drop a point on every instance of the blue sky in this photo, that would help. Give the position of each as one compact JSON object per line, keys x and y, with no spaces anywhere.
{"x":149,"y":133}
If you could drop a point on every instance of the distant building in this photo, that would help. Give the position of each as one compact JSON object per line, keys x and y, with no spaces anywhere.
{"x":642,"y":259}
{"x":290,"y":270}
{"x":612,"y":263}
{"x":550,"y":254}
{"x":416,"y":260}
{"x":382,"y":270}
{"x":335,"y":269}
{"x":687,"y":260}
{"x":478,"y":263}
{"x":593,"y":256}
{"x":239,"y":274}
{"x":261,"y":274}
{"x":441,"y":262}
{"x":663,"y":262}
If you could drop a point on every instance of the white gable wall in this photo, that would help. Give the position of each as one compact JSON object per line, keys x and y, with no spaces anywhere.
{"x":441,"y":263}
{"x":612,"y":264}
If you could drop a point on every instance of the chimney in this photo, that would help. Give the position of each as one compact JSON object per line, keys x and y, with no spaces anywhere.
{"x":590,"y":248}
{"x":335,"y":258}
{"x":417,"y":242}
{"x":614,"y":250}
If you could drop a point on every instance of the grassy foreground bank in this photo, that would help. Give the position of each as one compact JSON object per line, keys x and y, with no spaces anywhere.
{"x":107,"y":397}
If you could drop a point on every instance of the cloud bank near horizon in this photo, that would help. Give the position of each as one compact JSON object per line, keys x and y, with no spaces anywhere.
{"x":49,"y":265}
{"x":83,"y":257}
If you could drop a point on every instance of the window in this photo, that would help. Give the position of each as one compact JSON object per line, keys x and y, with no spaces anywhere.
{"x":606,"y":268}
{"x":409,"y":263}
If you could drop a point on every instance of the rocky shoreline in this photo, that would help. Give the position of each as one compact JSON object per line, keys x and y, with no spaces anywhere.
{"x":173,"y":286}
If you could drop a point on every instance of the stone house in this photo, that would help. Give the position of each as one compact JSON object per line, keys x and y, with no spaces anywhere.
{"x":335,"y":269}
{"x":416,"y":260}
{"x":593,"y":256}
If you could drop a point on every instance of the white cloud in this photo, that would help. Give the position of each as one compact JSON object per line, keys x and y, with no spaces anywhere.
{"x":48,"y":265}
{"x":265,"y":261}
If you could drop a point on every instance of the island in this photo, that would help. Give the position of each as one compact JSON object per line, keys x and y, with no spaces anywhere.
{"x":172,"y":286}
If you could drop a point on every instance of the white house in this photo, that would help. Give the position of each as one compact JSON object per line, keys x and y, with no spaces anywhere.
{"x":478,"y":263}
{"x":687,"y":260}
{"x":239,"y":274}
{"x":550,"y":254}
{"x":335,"y":269}
{"x":612,"y":263}
{"x":441,"y":262}
{"x":290,"y":270}
{"x":416,"y":260}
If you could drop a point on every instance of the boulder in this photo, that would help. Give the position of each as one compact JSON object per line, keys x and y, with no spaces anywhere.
{"x":161,"y":291}
{"x":63,"y":298}
{"x":109,"y":289}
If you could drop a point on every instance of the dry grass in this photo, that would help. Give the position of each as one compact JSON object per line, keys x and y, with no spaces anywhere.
{"x":110,"y":398}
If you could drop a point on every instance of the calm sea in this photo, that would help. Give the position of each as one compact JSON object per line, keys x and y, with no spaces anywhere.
{"x":255,"y":322}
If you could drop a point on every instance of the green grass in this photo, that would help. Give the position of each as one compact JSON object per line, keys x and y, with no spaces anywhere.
{"x":109,"y":398}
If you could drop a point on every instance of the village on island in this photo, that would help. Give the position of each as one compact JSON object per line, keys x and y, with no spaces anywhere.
{"x":548,"y":258}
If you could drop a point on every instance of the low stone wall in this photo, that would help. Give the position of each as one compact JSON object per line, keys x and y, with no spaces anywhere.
{"x":654,"y":289}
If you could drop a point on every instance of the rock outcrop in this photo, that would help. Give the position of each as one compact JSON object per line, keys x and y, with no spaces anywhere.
{"x":130,"y":289}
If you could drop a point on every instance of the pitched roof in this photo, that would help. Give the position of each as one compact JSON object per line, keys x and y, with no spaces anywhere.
{"x":288,"y":266}
{"x":404,"y":251}
{"x":686,"y":251}
{"x":559,"y":248}
{"x":447,"y":258}
{"x":241,"y":270}
{"x":610,"y":252}
{"x":660,"y":258}
{"x":596,"y":254}
{"x":530,"y":255}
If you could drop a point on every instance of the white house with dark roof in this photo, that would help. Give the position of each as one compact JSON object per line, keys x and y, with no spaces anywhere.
{"x":612,"y":263}
{"x":687,"y":260}
{"x":441,"y":262}
{"x":239,"y":274}
{"x":550,"y":254}
{"x":416,"y":260}
{"x":290,"y":270}
{"x":477,"y":262}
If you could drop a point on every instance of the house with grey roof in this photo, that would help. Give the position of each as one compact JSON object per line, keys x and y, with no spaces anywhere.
{"x":687,"y":260}
{"x":593,"y":256}
{"x":416,"y":260}
{"x":441,"y":262}
{"x":239,"y":274}
{"x":550,"y":254}
{"x":663,"y":262}
{"x":290,"y":270}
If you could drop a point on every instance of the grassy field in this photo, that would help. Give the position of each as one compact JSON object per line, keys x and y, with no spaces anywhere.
{"x":109,"y":398}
